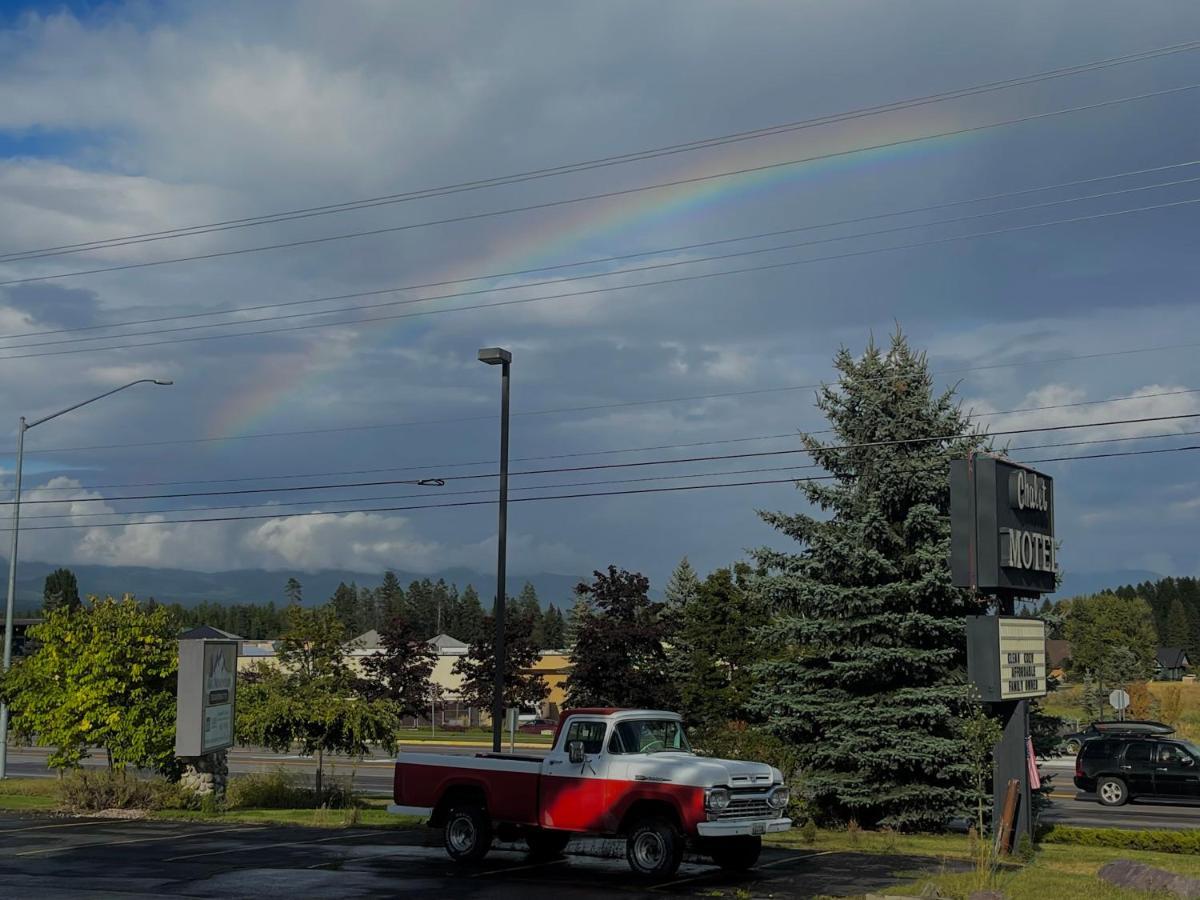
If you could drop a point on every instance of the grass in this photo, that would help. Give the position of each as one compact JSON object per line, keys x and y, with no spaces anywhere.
{"x":1065,"y":872}
{"x":29,"y":794}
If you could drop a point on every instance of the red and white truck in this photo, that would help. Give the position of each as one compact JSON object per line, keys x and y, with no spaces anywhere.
{"x":610,"y":772}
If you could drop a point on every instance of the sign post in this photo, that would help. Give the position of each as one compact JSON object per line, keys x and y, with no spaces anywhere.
{"x":205,"y":712}
{"x":1002,"y":543}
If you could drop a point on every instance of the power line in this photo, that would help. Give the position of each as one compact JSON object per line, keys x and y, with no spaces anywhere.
{"x":585,"y":453}
{"x":620,"y":465}
{"x":306,"y":242}
{"x":679,"y":279}
{"x":539,"y":487}
{"x":571,"y":168}
{"x":620,"y":257}
{"x":589,"y":276}
{"x":572,"y":496}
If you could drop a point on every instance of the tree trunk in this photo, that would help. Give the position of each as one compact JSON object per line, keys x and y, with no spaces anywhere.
{"x":108,"y":753}
{"x":320,"y":764}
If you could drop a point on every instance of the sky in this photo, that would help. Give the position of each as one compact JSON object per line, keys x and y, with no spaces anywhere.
{"x":121,"y":119}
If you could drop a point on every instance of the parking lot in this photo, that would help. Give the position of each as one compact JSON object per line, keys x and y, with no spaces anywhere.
{"x":42,"y":856}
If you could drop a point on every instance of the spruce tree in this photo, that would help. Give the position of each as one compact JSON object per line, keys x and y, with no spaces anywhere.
{"x":389,"y":597}
{"x":1177,"y":629}
{"x":293,"y":590}
{"x":864,"y":668}
{"x":61,"y":590}
{"x":554,"y":629}
{"x":469,"y":622}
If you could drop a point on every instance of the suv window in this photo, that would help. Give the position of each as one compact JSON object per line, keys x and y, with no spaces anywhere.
{"x":1174,"y":755}
{"x":1138,"y":751}
{"x":1100,"y":749}
{"x":590,"y":733}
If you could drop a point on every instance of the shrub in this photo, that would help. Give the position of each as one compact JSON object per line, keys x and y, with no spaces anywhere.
{"x":738,"y":740}
{"x":1025,"y":849}
{"x":1171,"y":704}
{"x":1141,"y":703}
{"x":97,"y":789}
{"x":808,"y":832}
{"x":280,"y":789}
{"x":1159,"y":841}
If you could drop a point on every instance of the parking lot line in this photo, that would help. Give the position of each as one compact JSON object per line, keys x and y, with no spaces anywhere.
{"x":336,"y":837}
{"x":537,"y":865}
{"x":667,"y":885}
{"x":161,"y":837}
{"x":57,"y":825}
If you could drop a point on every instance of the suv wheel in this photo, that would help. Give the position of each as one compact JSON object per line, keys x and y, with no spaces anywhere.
{"x":468,"y":835}
{"x":654,"y":849}
{"x":1074,"y":746}
{"x":1112,"y":792}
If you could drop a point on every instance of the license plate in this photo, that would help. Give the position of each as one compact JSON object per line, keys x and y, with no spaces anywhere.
{"x":758,"y":827}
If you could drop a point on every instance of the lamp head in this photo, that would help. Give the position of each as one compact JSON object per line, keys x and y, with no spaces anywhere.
{"x":162,"y":381}
{"x":494,"y":356}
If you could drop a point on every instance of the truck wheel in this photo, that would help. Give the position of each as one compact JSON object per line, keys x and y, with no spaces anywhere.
{"x":546,"y":844}
{"x":654,"y":849}
{"x":735,"y":854}
{"x":1112,"y":792}
{"x":468,"y":833}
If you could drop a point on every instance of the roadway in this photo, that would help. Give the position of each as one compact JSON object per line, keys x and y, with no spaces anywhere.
{"x":373,"y":775}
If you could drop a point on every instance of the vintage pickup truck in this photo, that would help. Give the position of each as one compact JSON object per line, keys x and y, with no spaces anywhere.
{"x":610,"y":772}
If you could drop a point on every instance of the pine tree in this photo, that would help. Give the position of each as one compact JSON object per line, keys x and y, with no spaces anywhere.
{"x":528,"y":606}
{"x":554,"y":629}
{"x":581,"y":610}
{"x":294,"y":591}
{"x":389,"y":597}
{"x":863,"y":670}
{"x":61,"y":590}
{"x":345,"y":606}
{"x":1177,"y":630}
{"x":469,"y":623}
{"x":682,"y":587}
{"x":618,"y":658}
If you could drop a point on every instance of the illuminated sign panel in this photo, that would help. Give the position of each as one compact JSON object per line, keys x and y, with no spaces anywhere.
{"x":207,"y":692}
{"x":1006,"y":657}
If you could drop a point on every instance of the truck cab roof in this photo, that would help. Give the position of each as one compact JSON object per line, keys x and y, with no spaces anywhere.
{"x":615,"y":713}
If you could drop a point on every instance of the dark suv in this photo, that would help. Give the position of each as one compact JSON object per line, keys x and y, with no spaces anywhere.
{"x":1118,"y":768}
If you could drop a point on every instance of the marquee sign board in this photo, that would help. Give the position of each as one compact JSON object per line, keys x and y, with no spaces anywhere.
{"x":206,"y":696}
{"x":1001,"y":526}
{"x":1006,"y":657}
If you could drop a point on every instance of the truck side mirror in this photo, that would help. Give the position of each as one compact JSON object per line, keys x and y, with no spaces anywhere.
{"x":575,"y":752}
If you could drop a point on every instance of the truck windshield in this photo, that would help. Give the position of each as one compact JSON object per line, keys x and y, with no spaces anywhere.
{"x":649,"y":736}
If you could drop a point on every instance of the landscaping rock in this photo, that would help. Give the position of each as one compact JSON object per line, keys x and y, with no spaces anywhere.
{"x":204,"y":775}
{"x":1138,"y":876}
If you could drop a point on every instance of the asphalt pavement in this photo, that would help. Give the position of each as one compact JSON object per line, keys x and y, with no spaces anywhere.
{"x":54,"y":857}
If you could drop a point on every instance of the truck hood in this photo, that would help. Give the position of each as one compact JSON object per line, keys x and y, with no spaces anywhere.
{"x":701,"y":771}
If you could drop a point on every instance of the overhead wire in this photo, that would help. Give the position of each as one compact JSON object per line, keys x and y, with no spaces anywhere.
{"x":306,"y":242}
{"x":601,"y":162}
{"x":590,"y":276}
{"x":795,"y":435}
{"x":624,"y":256}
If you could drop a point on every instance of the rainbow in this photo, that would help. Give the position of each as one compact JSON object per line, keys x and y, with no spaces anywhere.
{"x":607,"y":226}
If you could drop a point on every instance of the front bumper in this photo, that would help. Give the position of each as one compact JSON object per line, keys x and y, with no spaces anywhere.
{"x":740,"y":827}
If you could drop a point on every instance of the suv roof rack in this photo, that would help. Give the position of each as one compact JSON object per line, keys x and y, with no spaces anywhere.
{"x":1133,"y":726}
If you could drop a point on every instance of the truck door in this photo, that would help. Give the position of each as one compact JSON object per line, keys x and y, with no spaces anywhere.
{"x":1176,"y":773}
{"x":573,"y":794}
{"x":1137,"y":767}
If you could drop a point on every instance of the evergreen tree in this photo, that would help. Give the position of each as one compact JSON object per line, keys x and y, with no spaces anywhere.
{"x":682,"y":587}
{"x":521,"y":687}
{"x":618,"y":658}
{"x":554,"y":629}
{"x":715,"y":646}
{"x":863,"y":669}
{"x":400,"y":671}
{"x":345,"y":606}
{"x":528,"y":606}
{"x":581,"y":610}
{"x":1111,"y":636}
{"x":61,"y":590}
{"x":389,"y":597}
{"x":1177,"y":630}
{"x":368,"y":612}
{"x":294,"y":591}
{"x":468,"y":624}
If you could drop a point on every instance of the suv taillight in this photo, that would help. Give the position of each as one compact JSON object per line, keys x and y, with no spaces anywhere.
{"x":1079,"y":764}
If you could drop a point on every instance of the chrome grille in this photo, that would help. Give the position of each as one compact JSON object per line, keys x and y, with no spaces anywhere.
{"x":748,"y":805}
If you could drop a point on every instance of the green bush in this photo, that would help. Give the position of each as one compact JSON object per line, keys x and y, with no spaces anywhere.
{"x":97,"y":789}
{"x":280,"y":789}
{"x":1119,"y":839}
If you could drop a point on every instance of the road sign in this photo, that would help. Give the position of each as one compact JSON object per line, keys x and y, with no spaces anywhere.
{"x":1118,"y":699}
{"x":206,"y":696}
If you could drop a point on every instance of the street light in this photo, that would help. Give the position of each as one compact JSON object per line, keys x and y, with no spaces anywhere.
{"x":495,"y":356}
{"x":23,"y":427}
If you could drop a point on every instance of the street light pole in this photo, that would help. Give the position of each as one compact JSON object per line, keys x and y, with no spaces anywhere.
{"x":23,"y":427}
{"x":497,"y":356}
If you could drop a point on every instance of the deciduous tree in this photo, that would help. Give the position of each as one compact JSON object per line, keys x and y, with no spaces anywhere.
{"x":400,"y":671}
{"x":522,"y":688}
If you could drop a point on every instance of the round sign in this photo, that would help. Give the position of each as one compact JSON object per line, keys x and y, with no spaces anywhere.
{"x":1118,"y":699}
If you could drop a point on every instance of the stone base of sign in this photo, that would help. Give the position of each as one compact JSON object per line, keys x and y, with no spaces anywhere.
{"x":205,"y":775}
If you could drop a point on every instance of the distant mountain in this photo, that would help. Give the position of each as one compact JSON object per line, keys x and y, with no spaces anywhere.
{"x":1075,"y":584}
{"x":259,"y":585}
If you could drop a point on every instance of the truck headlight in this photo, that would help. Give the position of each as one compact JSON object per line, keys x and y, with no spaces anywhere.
{"x":716,"y":798}
{"x":779,"y":797}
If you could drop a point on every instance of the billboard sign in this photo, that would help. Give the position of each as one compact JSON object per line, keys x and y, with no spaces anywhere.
{"x":1006,"y":657}
{"x":1002,"y":526}
{"x":206,"y":696}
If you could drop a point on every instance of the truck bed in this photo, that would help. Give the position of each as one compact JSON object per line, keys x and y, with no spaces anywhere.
{"x":509,"y":783}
